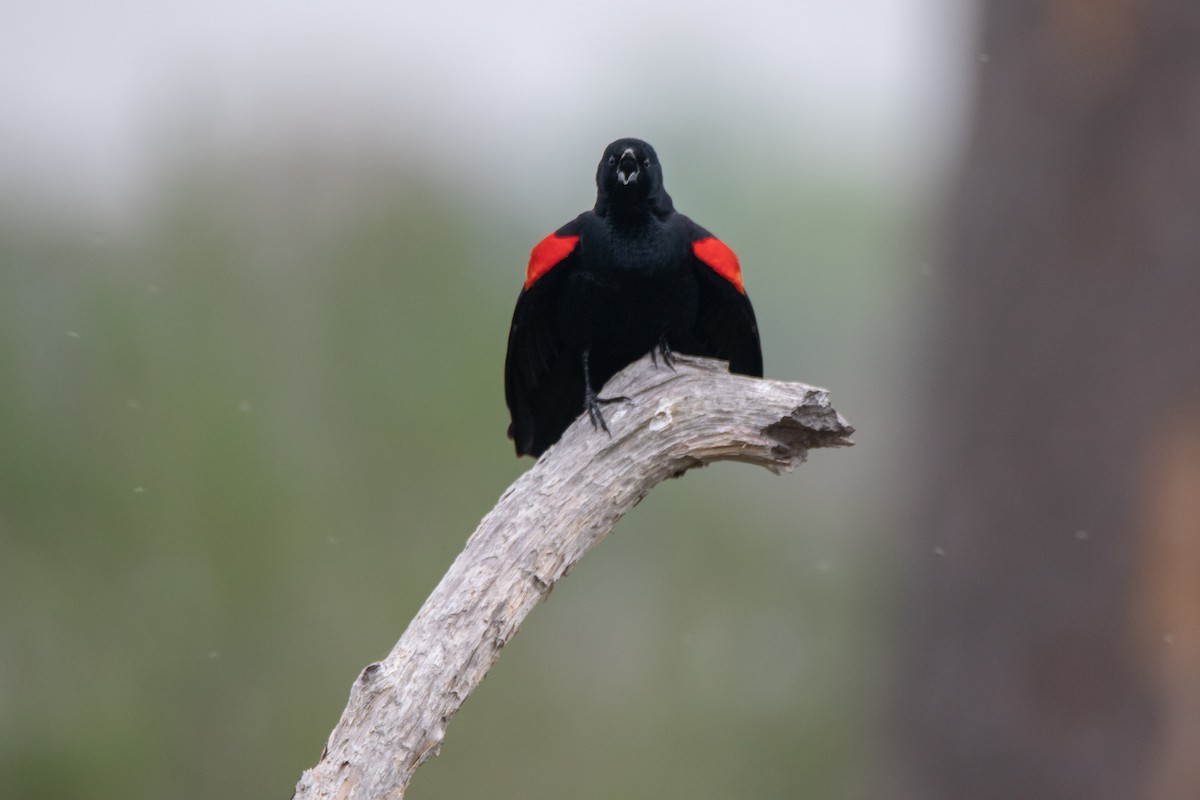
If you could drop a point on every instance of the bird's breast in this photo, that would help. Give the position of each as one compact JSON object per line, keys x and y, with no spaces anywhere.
{"x":643,"y":253}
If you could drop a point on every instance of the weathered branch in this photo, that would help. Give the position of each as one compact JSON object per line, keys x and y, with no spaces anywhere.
{"x":563,"y":506}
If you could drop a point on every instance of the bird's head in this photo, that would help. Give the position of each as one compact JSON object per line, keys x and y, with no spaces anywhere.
{"x":629,"y":178}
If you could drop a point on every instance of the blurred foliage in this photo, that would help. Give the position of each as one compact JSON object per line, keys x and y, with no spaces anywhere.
{"x":241,"y":440}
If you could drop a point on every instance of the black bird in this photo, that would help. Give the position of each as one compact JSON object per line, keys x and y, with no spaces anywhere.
{"x":632,"y":276}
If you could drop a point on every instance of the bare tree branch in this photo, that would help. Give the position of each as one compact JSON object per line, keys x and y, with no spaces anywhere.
{"x":542,"y":525}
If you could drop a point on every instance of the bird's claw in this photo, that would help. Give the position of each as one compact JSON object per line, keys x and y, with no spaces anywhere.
{"x":592,"y":403}
{"x":668,"y":356}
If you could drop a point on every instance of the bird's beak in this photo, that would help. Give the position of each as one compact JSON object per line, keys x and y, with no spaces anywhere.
{"x":627,"y":168}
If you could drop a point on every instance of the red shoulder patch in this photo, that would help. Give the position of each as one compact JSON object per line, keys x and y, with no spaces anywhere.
{"x":716,"y":254}
{"x":549,"y":251}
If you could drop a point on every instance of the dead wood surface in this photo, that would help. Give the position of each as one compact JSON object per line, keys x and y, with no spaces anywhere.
{"x":542,"y":525}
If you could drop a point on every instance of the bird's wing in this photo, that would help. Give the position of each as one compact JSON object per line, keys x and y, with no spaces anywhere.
{"x":725,"y":326}
{"x":534,"y":344}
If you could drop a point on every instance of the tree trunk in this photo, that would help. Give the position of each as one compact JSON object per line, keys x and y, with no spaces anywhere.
{"x":1052,"y":624}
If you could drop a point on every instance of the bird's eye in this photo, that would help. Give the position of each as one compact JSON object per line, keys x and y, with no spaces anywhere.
{"x":646,"y":161}
{"x":612,"y":161}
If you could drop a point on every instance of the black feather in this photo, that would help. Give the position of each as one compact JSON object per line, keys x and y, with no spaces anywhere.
{"x":632,"y":282}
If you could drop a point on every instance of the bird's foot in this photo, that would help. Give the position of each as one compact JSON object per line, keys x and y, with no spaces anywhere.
{"x":592,"y":403}
{"x":664,"y":349}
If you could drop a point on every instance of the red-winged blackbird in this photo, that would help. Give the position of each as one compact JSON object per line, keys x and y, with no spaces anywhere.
{"x":632,"y":276}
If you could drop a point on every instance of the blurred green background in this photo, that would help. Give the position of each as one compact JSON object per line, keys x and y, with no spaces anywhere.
{"x":252,"y":328}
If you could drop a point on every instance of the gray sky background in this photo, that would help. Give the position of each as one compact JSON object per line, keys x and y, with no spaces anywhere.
{"x":99,"y":97}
